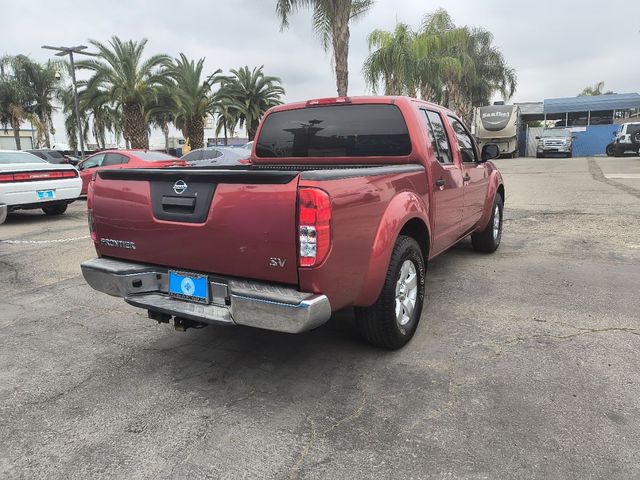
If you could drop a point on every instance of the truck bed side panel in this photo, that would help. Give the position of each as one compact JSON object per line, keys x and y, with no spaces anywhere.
{"x":358,"y":206}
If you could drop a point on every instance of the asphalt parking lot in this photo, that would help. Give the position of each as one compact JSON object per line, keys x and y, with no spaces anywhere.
{"x":525,"y":364}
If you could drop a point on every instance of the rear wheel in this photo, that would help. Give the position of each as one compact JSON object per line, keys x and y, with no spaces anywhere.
{"x":55,"y":209}
{"x":488,"y":240}
{"x":393,"y":319}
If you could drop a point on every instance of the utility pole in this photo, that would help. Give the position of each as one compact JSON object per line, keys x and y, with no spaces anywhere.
{"x":63,"y":52}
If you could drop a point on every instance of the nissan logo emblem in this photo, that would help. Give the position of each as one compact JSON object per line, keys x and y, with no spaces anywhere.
{"x":180,"y":187}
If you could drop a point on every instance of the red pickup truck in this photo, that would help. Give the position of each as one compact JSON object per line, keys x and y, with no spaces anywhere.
{"x":345,"y":201}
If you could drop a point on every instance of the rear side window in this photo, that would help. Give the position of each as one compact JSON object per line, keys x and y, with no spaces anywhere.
{"x":439,"y":139}
{"x":54,"y":154}
{"x":114,"y":159}
{"x":335,"y":131}
{"x":632,"y":129}
{"x":154,"y":156}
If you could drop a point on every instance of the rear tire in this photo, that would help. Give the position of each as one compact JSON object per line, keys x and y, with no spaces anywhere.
{"x":392,"y":320}
{"x":55,"y":209}
{"x":488,"y":240}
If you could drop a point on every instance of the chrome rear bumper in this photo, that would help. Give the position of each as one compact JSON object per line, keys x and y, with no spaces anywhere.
{"x":233,"y":301}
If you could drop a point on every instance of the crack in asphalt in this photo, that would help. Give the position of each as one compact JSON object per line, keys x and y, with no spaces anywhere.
{"x":596,"y":173}
{"x":295,"y":469}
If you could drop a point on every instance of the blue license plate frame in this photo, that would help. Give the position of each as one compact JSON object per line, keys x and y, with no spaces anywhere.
{"x":192,"y":287}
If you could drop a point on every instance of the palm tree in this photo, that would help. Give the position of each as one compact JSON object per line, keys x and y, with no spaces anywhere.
{"x":225,"y":116}
{"x":331,"y":20}
{"x":597,"y":89}
{"x":249,"y":94}
{"x":393,"y":61}
{"x":129,"y":81}
{"x":192,"y":98}
{"x":16,"y":99}
{"x":64,"y":96}
{"x":161,"y":112}
{"x":43,"y":80}
{"x":455,"y":66}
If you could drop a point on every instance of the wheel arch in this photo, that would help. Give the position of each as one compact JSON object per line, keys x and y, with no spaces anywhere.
{"x":407,"y":215}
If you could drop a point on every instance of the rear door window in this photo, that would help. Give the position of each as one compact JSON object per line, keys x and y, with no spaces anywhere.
{"x":465,"y":143}
{"x":439,"y":139}
{"x":335,"y":131}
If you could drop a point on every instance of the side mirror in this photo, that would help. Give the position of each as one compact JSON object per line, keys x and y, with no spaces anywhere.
{"x":537,"y":138}
{"x":489,"y":152}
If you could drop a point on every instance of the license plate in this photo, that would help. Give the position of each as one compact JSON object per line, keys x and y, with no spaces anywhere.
{"x":189,"y":286}
{"x":46,"y":194}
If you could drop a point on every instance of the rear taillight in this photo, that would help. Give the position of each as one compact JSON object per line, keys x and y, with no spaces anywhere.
{"x":37,"y":175}
{"x":314,"y":226}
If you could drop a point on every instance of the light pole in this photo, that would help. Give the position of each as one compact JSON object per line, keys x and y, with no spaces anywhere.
{"x":63,"y":52}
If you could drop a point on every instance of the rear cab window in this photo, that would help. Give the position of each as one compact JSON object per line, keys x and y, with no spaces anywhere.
{"x":438,"y":135}
{"x":360,"y":130}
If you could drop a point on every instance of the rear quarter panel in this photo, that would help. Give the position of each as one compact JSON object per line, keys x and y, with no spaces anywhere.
{"x":368,"y":213}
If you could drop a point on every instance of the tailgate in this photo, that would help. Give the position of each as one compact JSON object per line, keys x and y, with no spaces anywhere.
{"x":227,"y":222}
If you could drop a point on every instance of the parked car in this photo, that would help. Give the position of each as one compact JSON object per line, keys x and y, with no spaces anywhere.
{"x":51,"y":156}
{"x":28,"y":182}
{"x":248,"y":145}
{"x":73,"y":160}
{"x":626,"y":139}
{"x":117,"y":159}
{"x":217,"y":156}
{"x":344,"y":204}
{"x":555,"y":141}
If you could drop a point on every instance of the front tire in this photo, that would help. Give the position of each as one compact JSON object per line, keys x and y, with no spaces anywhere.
{"x":488,"y":240}
{"x":55,"y":209}
{"x":392,"y":320}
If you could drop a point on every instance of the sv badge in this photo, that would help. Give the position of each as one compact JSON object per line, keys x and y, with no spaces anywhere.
{"x":277,"y":262}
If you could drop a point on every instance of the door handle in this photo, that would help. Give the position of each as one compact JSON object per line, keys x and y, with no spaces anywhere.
{"x":440,"y":182}
{"x":466,"y":177}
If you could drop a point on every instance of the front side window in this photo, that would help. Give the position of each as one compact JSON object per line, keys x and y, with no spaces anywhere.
{"x":465,"y":143}
{"x":335,"y":131}
{"x":439,"y":139}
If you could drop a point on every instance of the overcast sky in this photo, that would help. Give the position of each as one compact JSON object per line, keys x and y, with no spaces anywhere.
{"x":557,"y":48}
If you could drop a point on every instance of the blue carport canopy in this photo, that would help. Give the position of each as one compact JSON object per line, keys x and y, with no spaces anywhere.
{"x":617,"y":101}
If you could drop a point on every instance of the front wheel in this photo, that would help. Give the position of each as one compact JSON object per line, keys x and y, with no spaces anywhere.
{"x":610,"y":151}
{"x":488,"y":240}
{"x":55,"y":209}
{"x":393,"y":319}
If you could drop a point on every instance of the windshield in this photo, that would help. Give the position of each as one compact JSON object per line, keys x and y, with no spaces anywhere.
{"x":559,"y":132}
{"x":154,"y":156}
{"x":7,"y":158}
{"x":335,"y":131}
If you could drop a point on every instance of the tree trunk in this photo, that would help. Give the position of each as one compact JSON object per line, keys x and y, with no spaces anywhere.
{"x":224,"y":126}
{"x":341,"y":49}
{"x":196,"y":133}
{"x":426,"y":93}
{"x":16,"y":135}
{"x":134,"y":126}
{"x":46,"y":127}
{"x":165,"y":131}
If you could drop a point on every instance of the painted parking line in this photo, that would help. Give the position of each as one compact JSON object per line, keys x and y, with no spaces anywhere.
{"x":37,"y":242}
{"x":622,"y":175}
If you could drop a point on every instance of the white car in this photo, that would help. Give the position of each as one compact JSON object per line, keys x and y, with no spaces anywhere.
{"x":28,"y":182}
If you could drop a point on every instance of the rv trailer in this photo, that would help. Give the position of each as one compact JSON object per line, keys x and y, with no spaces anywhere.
{"x":498,"y":124}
